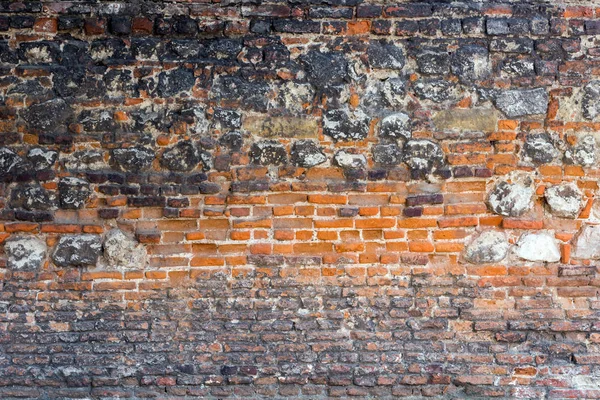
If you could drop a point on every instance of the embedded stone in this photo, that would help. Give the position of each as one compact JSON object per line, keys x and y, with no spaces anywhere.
{"x":275,"y":127}
{"x":470,"y":120}
{"x":379,"y":96}
{"x":423,"y":156}
{"x":488,"y":247}
{"x":385,"y":55}
{"x":10,"y":163}
{"x":511,"y":199}
{"x":590,"y":104}
{"x":587,"y":243}
{"x":307,"y":154}
{"x":86,"y":160}
{"x":133,"y":159}
{"x":171,"y":83}
{"x":122,"y":251}
{"x":233,"y":140}
{"x":183,"y":156}
{"x":345,"y":125}
{"x":519,"y":67}
{"x":539,"y":149}
{"x":73,"y":193}
{"x":348,"y":160}
{"x":49,"y":116}
{"x":268,"y":152}
{"x":77,"y":250}
{"x":325,"y":69}
{"x":540,"y":246}
{"x":471,"y":63}
{"x":228,"y":118}
{"x":30,"y":197}
{"x":25,"y":253}
{"x":387,"y":154}
{"x":432,"y":62}
{"x":565,"y":200}
{"x":437,"y":90}
{"x":42,"y":158}
{"x":395,"y":126}
{"x":517,"y":103}
{"x":583,"y":153}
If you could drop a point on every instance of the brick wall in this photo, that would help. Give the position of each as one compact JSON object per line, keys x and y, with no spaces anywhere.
{"x":299,"y":199}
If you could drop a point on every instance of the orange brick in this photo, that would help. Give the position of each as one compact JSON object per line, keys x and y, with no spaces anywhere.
{"x":312,"y":248}
{"x":207,"y":261}
{"x":421,"y":247}
{"x":574,"y":170}
{"x":460,"y":221}
{"x":55,"y":228}
{"x":449,"y":234}
{"x":375,"y":223}
{"x":349,"y":247}
{"x":327,"y":199}
{"x":156,"y":274}
{"x":358,"y":27}
{"x":21,"y":227}
{"x":490,"y":270}
{"x":195,"y":235}
{"x":449,"y":247}
{"x":114,"y":286}
{"x":284,"y":235}
{"x":413,"y":223}
{"x":512,"y":223}
{"x":507,"y":125}
{"x":453,"y":209}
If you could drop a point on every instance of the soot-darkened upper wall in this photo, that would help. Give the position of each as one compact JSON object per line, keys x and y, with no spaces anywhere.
{"x":299,"y":199}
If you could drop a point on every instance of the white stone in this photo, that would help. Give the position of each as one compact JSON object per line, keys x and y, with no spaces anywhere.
{"x":25,"y":253}
{"x":122,"y":251}
{"x":511,"y":199}
{"x":540,"y":246}
{"x":565,"y":200}
{"x":489,"y":247}
{"x":348,"y":160}
{"x":587,"y":243}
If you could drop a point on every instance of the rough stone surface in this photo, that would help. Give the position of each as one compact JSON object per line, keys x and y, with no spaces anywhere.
{"x":277,"y":127}
{"x":77,"y":250}
{"x":586,"y":244}
{"x":348,"y":160}
{"x":387,"y":154}
{"x":325,"y":69}
{"x":122,"y":251}
{"x":488,"y":247}
{"x":565,"y":200}
{"x":41,"y":158}
{"x":344,"y":125}
{"x":171,"y":83}
{"x":73,"y":193}
{"x":538,"y":247}
{"x":268,"y":152}
{"x":436,"y":90}
{"x":307,"y":154}
{"x":539,"y":149}
{"x":482,"y":120}
{"x":591,"y":100}
{"x":184,"y":156}
{"x":133,"y":159}
{"x":511,"y":199}
{"x":85,"y":160}
{"x":10,"y":163}
{"x":385,"y":55}
{"x":395,"y":126}
{"x":518,"y":103}
{"x":25,"y":253}
{"x":471,"y":63}
{"x":583,"y":153}
{"x":423,"y":155}
{"x":30,"y":197}
{"x":49,"y":116}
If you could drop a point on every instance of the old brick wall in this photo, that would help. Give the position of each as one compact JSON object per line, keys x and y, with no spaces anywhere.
{"x":299,"y":199}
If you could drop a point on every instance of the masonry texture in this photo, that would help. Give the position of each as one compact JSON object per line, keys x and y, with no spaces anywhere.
{"x":299,"y":199}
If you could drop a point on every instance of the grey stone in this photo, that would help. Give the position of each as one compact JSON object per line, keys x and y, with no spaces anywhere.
{"x":348,"y":160}
{"x":497,"y":26}
{"x":307,"y":154}
{"x":511,"y":199}
{"x":346,"y":125}
{"x":590,"y":104}
{"x":233,"y":140}
{"x":395,"y":126}
{"x":587,"y":243}
{"x":10,"y":163}
{"x":77,"y":250}
{"x":540,"y":246}
{"x":488,"y":247}
{"x":30,"y":197}
{"x":471,"y":63}
{"x":171,"y":83}
{"x":519,"y":67}
{"x":183,"y":156}
{"x":565,"y":200}
{"x":540,"y":25}
{"x":268,"y":152}
{"x":86,"y":160}
{"x":133,"y":159}
{"x":385,"y":55}
{"x":325,"y":69}
{"x":122,"y":251}
{"x":423,"y":156}
{"x":42,"y":158}
{"x":583,"y":153}
{"x":539,"y":149}
{"x":387,"y":154}
{"x":50,"y":116}
{"x":517,"y":103}
{"x":436,"y":90}
{"x":25,"y":253}
{"x":73,"y":192}
{"x":432,"y":62}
